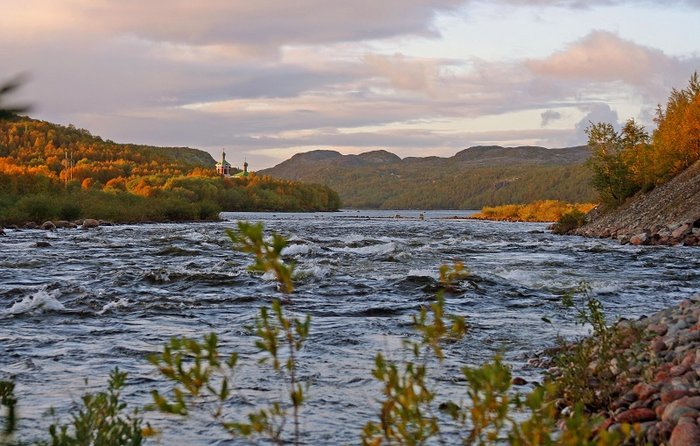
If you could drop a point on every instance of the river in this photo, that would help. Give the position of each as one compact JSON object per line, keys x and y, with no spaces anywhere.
{"x":98,"y":299}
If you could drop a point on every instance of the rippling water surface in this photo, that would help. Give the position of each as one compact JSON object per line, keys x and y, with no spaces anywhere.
{"x":98,"y":299}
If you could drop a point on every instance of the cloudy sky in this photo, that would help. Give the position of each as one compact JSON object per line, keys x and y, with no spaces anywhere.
{"x":269,"y":78}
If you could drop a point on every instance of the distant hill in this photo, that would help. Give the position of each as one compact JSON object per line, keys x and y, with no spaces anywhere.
{"x":472,"y":178}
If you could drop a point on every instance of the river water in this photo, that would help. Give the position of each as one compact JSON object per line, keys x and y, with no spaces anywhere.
{"x":98,"y":299}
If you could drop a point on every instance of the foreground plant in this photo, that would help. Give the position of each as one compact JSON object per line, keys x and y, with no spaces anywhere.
{"x":250,"y":238}
{"x":588,"y":370}
{"x":8,"y":403}
{"x":198,"y":373}
{"x":101,"y":420}
{"x":406,"y":415}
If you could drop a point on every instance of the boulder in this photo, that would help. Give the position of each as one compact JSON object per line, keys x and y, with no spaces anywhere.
{"x":2,"y":231}
{"x":640,"y":239}
{"x":65,"y":224}
{"x":89,"y":223}
{"x":681,"y":231}
{"x":43,"y":244}
{"x":48,"y":226}
{"x":31,"y":225}
{"x":685,"y":433}
{"x":106,"y":223}
{"x":683,"y":407}
{"x":623,"y":239}
{"x":636,"y":415}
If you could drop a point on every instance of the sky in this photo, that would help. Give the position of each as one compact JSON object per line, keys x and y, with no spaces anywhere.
{"x":266,"y":79}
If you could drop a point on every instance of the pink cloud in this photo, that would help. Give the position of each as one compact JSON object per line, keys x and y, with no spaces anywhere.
{"x":404,"y":73}
{"x":603,"y":56}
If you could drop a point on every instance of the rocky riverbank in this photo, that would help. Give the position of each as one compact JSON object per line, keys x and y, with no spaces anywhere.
{"x":667,"y":215}
{"x":657,"y":377}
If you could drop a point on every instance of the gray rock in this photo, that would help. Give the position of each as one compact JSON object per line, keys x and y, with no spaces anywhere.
{"x":681,"y":231}
{"x":66,"y":224}
{"x":89,"y":223}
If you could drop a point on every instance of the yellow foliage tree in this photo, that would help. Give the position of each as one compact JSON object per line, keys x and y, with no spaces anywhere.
{"x":677,"y":137}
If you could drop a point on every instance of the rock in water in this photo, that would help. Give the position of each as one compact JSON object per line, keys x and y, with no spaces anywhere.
{"x":89,"y":223}
{"x":66,"y":224}
{"x":48,"y":226}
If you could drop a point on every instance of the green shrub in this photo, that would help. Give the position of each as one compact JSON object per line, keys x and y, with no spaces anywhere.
{"x":569,"y":221}
{"x":38,"y":208}
{"x":100,"y":420}
{"x":70,"y":211}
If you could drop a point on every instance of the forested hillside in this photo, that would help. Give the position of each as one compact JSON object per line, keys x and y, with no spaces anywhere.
{"x":48,"y":171}
{"x":471,"y":179}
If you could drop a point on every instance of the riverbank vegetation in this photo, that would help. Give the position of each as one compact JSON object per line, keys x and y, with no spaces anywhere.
{"x":538,"y":211}
{"x":630,"y":160}
{"x":48,"y":171}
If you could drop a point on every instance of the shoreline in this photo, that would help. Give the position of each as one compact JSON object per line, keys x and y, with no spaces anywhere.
{"x":656,"y":376}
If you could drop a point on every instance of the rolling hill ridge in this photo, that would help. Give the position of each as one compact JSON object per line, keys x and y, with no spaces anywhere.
{"x":472,"y":178}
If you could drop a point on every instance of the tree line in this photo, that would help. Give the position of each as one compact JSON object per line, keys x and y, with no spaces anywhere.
{"x":48,"y":171}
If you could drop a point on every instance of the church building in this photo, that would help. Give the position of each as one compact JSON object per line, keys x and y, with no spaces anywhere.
{"x":243,"y":173}
{"x":223,"y":167}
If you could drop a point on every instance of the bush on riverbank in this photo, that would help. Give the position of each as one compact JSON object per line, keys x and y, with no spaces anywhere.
{"x":569,"y":221}
{"x":538,"y":211}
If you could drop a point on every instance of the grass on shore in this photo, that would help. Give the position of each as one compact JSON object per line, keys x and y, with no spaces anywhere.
{"x":538,"y":211}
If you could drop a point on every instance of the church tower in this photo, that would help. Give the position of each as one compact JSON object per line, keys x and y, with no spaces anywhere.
{"x":223,"y":167}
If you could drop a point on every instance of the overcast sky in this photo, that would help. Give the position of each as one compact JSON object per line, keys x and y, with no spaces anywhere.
{"x":265,"y":79}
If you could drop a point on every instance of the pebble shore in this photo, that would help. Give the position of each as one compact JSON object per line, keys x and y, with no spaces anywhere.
{"x":660,"y":387}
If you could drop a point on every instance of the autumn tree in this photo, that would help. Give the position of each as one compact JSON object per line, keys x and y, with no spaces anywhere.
{"x":677,"y":137}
